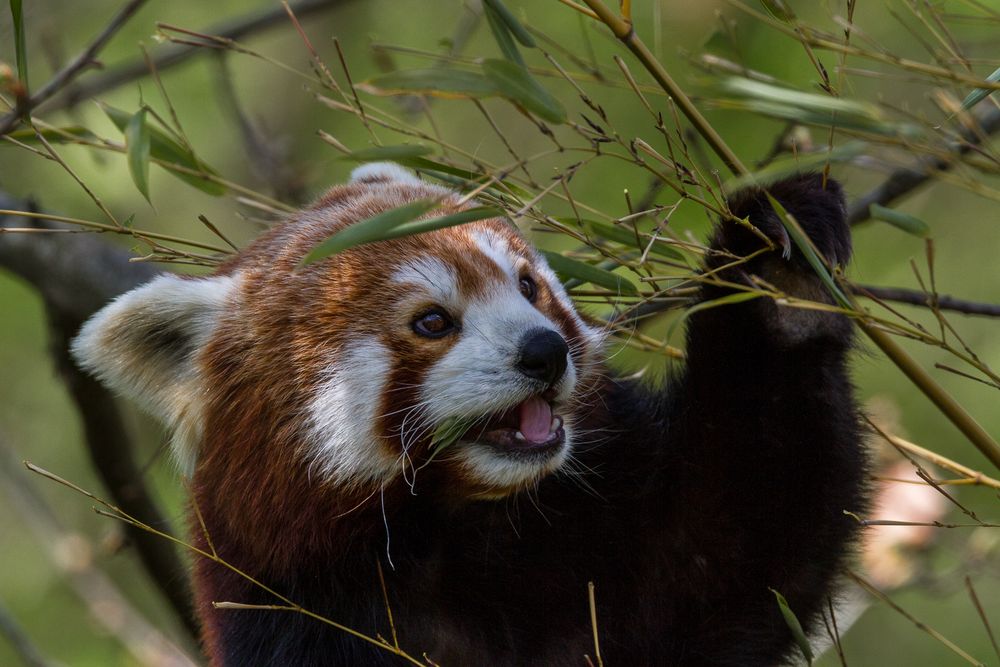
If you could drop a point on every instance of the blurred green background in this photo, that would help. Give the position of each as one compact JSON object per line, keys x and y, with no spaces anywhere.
{"x":37,"y":421}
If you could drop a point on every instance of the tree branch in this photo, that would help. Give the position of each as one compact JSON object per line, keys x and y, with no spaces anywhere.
{"x":174,"y":54}
{"x":76,"y":274}
{"x":73,"y":69}
{"x":918,"y":298}
{"x":902,"y":182}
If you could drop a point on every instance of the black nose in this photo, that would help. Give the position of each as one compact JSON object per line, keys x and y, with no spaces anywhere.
{"x":543,"y":355}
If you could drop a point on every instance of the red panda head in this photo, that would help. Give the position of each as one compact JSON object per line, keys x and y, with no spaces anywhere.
{"x":340,"y":373}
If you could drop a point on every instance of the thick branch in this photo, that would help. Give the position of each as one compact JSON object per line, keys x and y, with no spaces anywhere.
{"x":76,"y":274}
{"x":74,"y":68}
{"x":902,"y":182}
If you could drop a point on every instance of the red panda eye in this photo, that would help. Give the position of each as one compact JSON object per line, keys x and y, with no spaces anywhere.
{"x":528,"y":288}
{"x":434,"y":324}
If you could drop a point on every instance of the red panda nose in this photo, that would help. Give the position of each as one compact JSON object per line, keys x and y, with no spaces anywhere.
{"x":543,"y":355}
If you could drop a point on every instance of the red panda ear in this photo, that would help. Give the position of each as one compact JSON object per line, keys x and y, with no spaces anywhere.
{"x":145,"y":344}
{"x":384,"y":172}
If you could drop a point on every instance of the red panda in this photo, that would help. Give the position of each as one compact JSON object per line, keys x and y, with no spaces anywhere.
{"x":303,"y":402}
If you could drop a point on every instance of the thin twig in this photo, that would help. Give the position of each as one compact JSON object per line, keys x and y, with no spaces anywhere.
{"x":67,"y":74}
{"x":906,"y":180}
{"x":175,"y":54}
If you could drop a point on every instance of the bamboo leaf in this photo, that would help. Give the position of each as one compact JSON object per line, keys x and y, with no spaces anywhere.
{"x":516,"y":84}
{"x":516,"y":29}
{"x":805,"y":246}
{"x":448,"y":433}
{"x":20,"y":44}
{"x":792,"y":621}
{"x":797,"y":164}
{"x":393,"y":153}
{"x":164,"y":149}
{"x":766,"y":92}
{"x":441,"y":222}
{"x":908,"y":223}
{"x":394,"y":224}
{"x":779,"y":10}
{"x":137,"y":151}
{"x":432,"y":81}
{"x":569,"y":268}
{"x":980,"y":94}
{"x":371,"y":229}
{"x":501,"y":33}
{"x":62,"y":135}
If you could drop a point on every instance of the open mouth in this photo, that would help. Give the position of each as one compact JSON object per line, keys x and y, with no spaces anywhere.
{"x":530,"y":428}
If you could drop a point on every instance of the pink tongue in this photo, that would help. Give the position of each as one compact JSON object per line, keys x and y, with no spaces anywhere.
{"x":536,"y":416}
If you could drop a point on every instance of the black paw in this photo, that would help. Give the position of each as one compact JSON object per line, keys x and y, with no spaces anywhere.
{"x":819,"y":209}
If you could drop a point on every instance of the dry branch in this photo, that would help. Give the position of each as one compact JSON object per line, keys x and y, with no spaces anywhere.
{"x":905,"y":181}
{"x":77,"y":66}
{"x":76,"y":274}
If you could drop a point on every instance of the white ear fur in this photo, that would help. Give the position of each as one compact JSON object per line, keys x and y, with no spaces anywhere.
{"x":374,"y":172}
{"x":144,"y":345}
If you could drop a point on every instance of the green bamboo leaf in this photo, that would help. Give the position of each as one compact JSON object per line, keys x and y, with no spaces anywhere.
{"x":822,"y":104}
{"x":569,"y":268}
{"x":62,"y":135}
{"x":462,"y":177}
{"x":370,"y":229}
{"x":137,"y":151}
{"x":806,"y":248}
{"x":20,"y":44}
{"x":797,"y":164}
{"x":516,"y":84}
{"x":779,"y":10}
{"x":163,"y":148}
{"x":501,"y":33}
{"x":516,"y":29}
{"x":793,"y":624}
{"x":432,"y":81}
{"x":448,"y":433}
{"x":441,"y":222}
{"x":394,"y":224}
{"x":393,"y":153}
{"x":980,"y":94}
{"x":905,"y":221}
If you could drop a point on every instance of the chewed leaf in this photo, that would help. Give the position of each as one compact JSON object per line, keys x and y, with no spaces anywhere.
{"x":905,"y":221}
{"x":980,"y":94}
{"x":516,"y":84}
{"x":438,"y":82}
{"x":399,"y":152}
{"x":137,"y":147}
{"x":371,"y":229}
{"x":448,"y":432}
{"x":792,"y":621}
{"x":567,"y":268}
{"x":164,"y":149}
